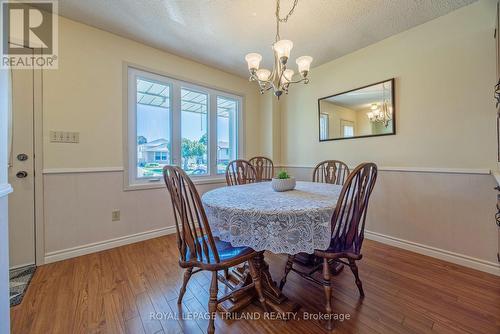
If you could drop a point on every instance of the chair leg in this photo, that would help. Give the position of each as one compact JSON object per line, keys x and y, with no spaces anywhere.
{"x":354,"y":269}
{"x":288,"y":267}
{"x":255,"y":273}
{"x":328,"y":293}
{"x":212,"y":303}
{"x":187,"y":276}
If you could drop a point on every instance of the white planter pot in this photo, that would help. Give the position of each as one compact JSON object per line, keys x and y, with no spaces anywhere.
{"x":283,"y":184}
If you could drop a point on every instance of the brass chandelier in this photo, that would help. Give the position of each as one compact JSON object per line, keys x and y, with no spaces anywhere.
{"x":281,"y":77}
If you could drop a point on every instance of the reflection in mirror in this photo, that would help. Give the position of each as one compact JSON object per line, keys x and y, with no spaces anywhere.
{"x":362,"y":112}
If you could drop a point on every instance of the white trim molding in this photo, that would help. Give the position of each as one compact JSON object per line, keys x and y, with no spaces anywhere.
{"x":82,"y":170}
{"x":456,"y":258}
{"x":437,"y":170}
{"x":5,"y":189}
{"x":106,"y":244}
{"x":479,"y":171}
{"x":155,"y":184}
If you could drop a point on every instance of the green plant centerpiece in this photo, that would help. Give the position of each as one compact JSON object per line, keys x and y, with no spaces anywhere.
{"x":283,"y":175}
{"x":283,"y":182}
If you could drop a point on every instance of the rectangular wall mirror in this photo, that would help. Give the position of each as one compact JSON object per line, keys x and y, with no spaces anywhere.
{"x":362,"y":112}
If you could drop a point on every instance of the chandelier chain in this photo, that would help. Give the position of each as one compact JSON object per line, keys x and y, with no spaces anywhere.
{"x":285,"y":18}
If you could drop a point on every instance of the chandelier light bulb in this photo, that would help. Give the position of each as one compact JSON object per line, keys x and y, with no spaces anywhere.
{"x":283,"y":48}
{"x":263,"y":74}
{"x":253,"y":61}
{"x":304,"y":64}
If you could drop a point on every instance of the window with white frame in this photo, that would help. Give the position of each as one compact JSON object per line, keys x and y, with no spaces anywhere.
{"x":347,"y":128}
{"x":323,"y":126}
{"x":176,"y":122}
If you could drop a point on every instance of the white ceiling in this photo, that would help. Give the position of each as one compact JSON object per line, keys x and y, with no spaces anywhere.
{"x":360,"y":99}
{"x":220,"y":32}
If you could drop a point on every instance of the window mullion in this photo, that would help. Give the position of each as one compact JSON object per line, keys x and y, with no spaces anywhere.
{"x":176,"y":123}
{"x":212,"y":136}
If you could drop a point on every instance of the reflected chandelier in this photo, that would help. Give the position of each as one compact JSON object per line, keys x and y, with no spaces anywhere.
{"x":381,"y":114}
{"x":280,"y":79}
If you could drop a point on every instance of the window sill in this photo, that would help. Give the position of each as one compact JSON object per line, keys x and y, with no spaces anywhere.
{"x":159,"y":184}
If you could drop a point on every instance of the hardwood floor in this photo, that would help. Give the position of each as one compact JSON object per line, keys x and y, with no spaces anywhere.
{"x":117,"y":291}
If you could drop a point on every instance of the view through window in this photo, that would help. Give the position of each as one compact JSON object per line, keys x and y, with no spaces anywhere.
{"x":153,"y":127}
{"x":174,"y":122}
{"x":227,"y":112}
{"x":194,"y":119}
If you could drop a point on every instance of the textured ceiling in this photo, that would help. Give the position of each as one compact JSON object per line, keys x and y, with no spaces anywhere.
{"x":220,"y":32}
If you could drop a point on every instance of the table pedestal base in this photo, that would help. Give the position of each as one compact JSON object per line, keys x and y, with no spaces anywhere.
{"x":275,"y":299}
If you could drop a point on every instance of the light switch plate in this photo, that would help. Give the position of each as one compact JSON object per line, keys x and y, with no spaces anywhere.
{"x":64,"y":137}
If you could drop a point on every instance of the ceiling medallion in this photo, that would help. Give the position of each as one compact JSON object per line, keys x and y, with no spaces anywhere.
{"x":281,"y":77}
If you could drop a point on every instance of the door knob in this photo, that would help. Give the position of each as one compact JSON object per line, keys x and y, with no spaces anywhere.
{"x":22,"y":174}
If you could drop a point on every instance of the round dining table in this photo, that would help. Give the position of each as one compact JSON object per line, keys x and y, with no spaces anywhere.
{"x":256,"y":216}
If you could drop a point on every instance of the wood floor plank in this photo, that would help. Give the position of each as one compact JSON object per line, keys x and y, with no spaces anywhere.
{"x":118,"y":291}
{"x":96,"y":318}
{"x":134,"y":326}
{"x":146,"y":310}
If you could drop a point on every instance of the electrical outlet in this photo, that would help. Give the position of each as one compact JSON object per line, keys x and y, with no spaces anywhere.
{"x":115,"y":215}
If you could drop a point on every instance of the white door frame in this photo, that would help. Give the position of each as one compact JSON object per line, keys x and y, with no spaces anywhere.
{"x":38,"y":160}
{"x":38,"y":168}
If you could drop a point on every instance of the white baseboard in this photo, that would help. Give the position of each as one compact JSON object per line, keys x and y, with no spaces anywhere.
{"x":456,"y":258}
{"x":106,"y":244}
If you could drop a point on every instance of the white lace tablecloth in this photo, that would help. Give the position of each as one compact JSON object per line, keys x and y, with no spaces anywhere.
{"x":256,"y":216}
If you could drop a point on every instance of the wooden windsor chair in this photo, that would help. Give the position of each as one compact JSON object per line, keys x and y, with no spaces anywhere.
{"x":264,"y":168}
{"x":348,"y":225}
{"x":240,"y":172}
{"x":198,"y":249}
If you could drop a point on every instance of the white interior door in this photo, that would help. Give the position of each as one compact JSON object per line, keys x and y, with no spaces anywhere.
{"x":21,"y":171}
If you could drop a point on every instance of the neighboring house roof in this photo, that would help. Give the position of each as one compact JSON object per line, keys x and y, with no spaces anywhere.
{"x":158,"y":145}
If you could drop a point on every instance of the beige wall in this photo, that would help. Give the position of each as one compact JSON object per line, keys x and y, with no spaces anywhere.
{"x":444,"y":70}
{"x":336,"y":114}
{"x":86,"y":94}
{"x":447,"y":215}
{"x":444,"y":73}
{"x":79,"y":205}
{"x":363,"y":124}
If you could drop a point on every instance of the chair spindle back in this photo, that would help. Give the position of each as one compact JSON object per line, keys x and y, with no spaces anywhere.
{"x":240,"y":172}
{"x":264,"y":168}
{"x":348,"y":219}
{"x":193,"y":231}
{"x":331,"y":171}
